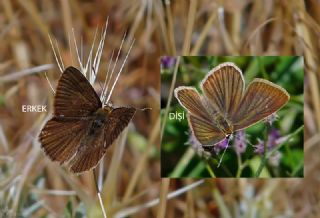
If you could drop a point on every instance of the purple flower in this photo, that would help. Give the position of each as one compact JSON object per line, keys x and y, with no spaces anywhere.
{"x":167,"y":62}
{"x":273,"y":136}
{"x":271,"y":118}
{"x":240,"y":142}
{"x":259,"y":148}
{"x":197,"y":147}
{"x":221,"y":145}
{"x":273,"y":140}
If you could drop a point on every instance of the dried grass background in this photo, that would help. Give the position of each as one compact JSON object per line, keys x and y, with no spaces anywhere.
{"x":32,"y":186}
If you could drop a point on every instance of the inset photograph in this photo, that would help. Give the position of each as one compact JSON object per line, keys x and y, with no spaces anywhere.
{"x":232,"y":116}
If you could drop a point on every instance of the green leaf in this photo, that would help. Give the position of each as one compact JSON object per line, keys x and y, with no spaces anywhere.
{"x":293,"y":158}
{"x":68,"y":211}
{"x":254,"y":164}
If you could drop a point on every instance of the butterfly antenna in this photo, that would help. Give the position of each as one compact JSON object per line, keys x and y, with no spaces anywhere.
{"x":220,"y":161}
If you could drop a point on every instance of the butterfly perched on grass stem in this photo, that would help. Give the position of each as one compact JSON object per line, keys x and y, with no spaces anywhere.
{"x":226,"y":106}
{"x":81,"y":130}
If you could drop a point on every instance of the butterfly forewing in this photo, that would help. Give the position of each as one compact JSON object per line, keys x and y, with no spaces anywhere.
{"x":190,"y":99}
{"x":261,"y":99}
{"x":223,"y":88}
{"x":75,"y":97}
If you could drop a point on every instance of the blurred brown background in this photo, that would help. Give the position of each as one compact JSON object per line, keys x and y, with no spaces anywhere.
{"x":33,"y":186}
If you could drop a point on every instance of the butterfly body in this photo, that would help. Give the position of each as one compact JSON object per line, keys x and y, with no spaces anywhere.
{"x":81,"y":130}
{"x":223,"y":124}
{"x":99,"y":118}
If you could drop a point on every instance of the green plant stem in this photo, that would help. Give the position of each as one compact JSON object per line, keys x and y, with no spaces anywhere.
{"x":241,"y":165}
{"x":297,"y":168}
{"x":210,"y":170}
{"x":262,"y":68}
{"x":239,"y":171}
{"x":264,"y":158}
{"x":197,"y":170}
{"x":289,"y":137}
{"x":268,"y":154}
{"x":185,"y":159}
{"x":262,"y":164}
{"x":225,"y":169}
{"x":169,"y":97}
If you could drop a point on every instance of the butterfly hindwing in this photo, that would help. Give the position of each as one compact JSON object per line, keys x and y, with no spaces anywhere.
{"x":118,"y":119}
{"x":93,"y":147}
{"x":61,"y":137}
{"x":204,"y":131}
{"x":89,"y":153}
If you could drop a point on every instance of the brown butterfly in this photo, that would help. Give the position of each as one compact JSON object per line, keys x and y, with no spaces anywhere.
{"x":226,"y":106}
{"x":81,"y":130}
